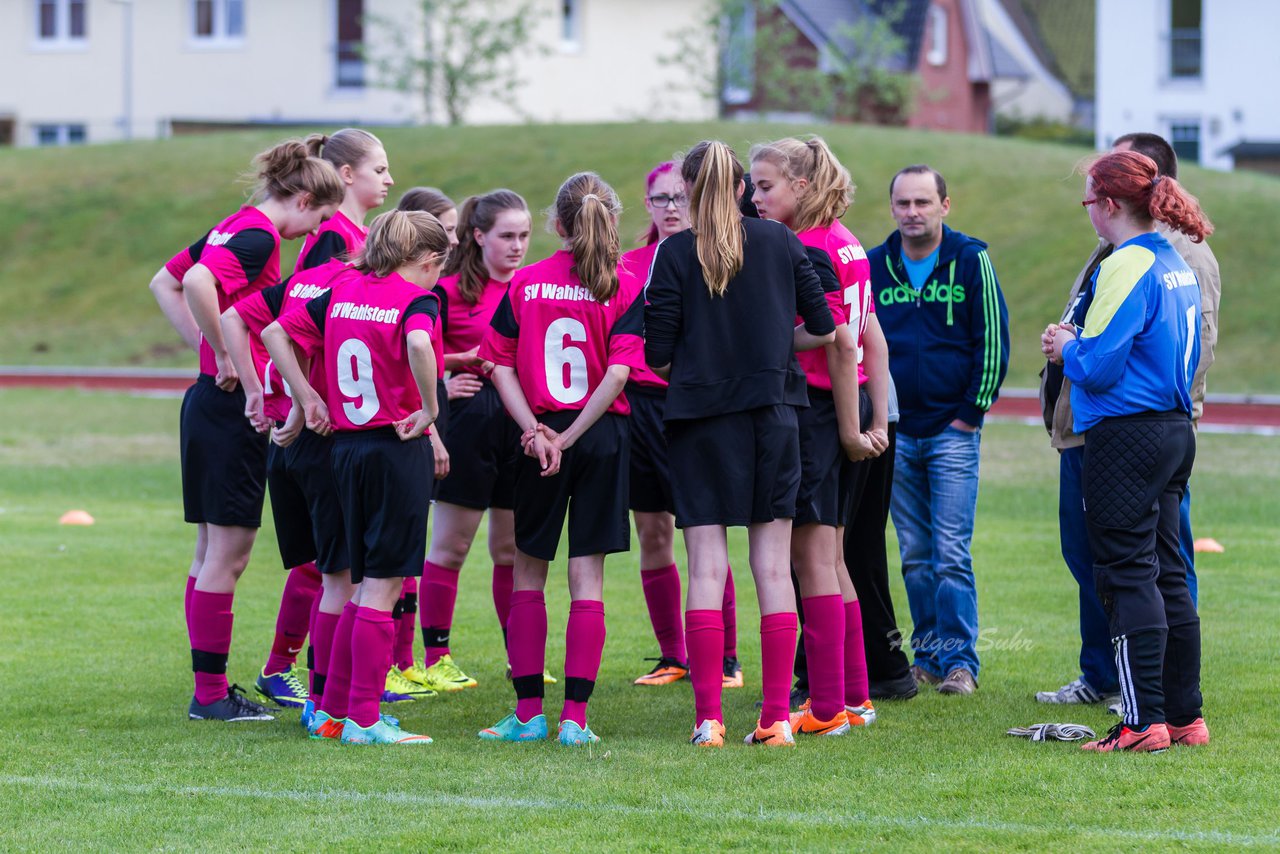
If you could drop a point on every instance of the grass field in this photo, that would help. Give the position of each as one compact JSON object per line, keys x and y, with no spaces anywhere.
{"x":82,"y":230}
{"x":96,"y":753}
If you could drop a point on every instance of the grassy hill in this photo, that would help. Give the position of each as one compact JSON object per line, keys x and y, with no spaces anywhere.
{"x":82,"y":230}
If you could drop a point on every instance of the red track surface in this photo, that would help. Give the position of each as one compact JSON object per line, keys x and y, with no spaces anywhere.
{"x":1226,"y":412}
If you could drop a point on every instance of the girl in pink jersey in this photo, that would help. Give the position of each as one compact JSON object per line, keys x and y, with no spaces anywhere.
{"x":223,"y":455}
{"x":563,"y":342}
{"x":483,"y":440}
{"x":650,"y":498}
{"x":374,"y":329}
{"x":802,"y":185}
{"x":362,"y":165}
{"x":403,"y":666}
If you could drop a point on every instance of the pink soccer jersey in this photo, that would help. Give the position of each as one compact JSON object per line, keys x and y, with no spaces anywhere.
{"x":559,"y":339}
{"x":260,"y":309}
{"x":361,"y":326}
{"x":243,"y":253}
{"x":850,"y":304}
{"x":636,"y":264}
{"x":466,"y":324}
{"x":338,"y":239}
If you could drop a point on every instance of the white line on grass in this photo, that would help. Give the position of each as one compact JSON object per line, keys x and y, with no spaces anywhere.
{"x":664,"y":810}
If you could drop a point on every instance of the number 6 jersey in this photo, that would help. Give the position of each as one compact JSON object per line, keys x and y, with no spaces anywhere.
{"x":559,"y":339}
{"x":361,"y":325}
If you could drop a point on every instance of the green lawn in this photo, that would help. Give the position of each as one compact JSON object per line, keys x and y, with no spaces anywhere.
{"x":96,"y":753}
{"x":82,"y":230}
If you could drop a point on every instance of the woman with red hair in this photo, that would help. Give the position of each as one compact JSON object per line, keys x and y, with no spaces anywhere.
{"x":1130,"y":355}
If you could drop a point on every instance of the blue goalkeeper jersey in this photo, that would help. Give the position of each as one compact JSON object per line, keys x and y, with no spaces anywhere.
{"x":1140,"y":343}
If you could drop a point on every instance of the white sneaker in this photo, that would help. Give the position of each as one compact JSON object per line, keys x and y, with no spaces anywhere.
{"x":1074,"y":693}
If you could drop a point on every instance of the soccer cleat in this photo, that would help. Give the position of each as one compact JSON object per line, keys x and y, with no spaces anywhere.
{"x":709,"y":733}
{"x":380,"y":733}
{"x":732,"y":673}
{"x":864,"y":715}
{"x":511,"y":728}
{"x":232,"y":708}
{"x":666,"y":671}
{"x":572,"y":735}
{"x":445,"y":676}
{"x":322,"y":726}
{"x":284,"y":689}
{"x":804,"y":722}
{"x":397,"y":684}
{"x":1191,"y":735}
{"x":1152,"y":738}
{"x":308,"y":712}
{"x":415,"y":673}
{"x":778,"y":735}
{"x":1078,"y":692}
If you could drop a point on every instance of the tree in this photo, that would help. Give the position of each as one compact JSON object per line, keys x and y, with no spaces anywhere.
{"x":466,"y":49}
{"x":763,"y":57}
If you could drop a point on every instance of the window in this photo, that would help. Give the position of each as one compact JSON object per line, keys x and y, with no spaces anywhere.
{"x":60,"y":21}
{"x":738,"y":54}
{"x":349,"y":56}
{"x":64,"y":134}
{"x":1185,"y":137}
{"x":571,"y":25}
{"x":217,"y":20}
{"x":1184,"y":39}
{"x":937,"y":54}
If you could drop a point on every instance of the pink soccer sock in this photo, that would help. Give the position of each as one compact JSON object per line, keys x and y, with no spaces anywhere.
{"x":662,"y":596}
{"x":323,"y":629}
{"x":730,"y":609}
{"x":777,"y":657}
{"x":856,"y":688}
{"x":527,"y":650}
{"x":372,"y":635}
{"x":186,"y":603}
{"x":406,"y":625}
{"x":503,"y":581}
{"x":211,"y":621}
{"x":824,"y":650}
{"x":439,"y":593}
{"x":704,"y":635}
{"x":337,"y":682}
{"x":583,"y":649}
{"x":301,"y":589}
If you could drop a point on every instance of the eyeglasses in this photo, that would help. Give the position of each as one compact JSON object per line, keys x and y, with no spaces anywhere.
{"x":664,"y":200}
{"x":1092,"y":201}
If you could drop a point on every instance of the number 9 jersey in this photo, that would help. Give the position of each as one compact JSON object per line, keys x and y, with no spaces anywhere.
{"x":361,"y":325}
{"x":559,"y":339}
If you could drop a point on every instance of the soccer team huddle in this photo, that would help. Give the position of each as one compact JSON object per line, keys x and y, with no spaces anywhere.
{"x":728,"y":372}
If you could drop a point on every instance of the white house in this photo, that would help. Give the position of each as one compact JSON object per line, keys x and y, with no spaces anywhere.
{"x":100,"y":70}
{"x":1200,"y":73}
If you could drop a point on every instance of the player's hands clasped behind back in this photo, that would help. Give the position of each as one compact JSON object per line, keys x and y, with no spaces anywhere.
{"x":542,"y":444}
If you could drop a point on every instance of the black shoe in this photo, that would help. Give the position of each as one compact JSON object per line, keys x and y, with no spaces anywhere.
{"x":902,"y":688}
{"x":233,"y":707}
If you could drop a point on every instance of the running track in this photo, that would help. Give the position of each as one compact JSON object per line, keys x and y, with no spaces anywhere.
{"x":1224,"y":413}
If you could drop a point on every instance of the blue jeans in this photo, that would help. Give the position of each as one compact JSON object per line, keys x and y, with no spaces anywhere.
{"x":1097,"y":656}
{"x":935,"y":498}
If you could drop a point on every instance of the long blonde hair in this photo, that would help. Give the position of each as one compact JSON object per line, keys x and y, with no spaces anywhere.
{"x":713,"y":172}
{"x":830,"y":189}
{"x":587,"y":209}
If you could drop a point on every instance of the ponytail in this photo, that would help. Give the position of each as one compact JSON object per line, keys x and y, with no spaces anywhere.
{"x":587,"y":209}
{"x":397,"y":238}
{"x":714,"y":173}
{"x":1132,"y":178}
{"x":294,"y":166}
{"x":467,"y":259}
{"x":830,"y":189}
